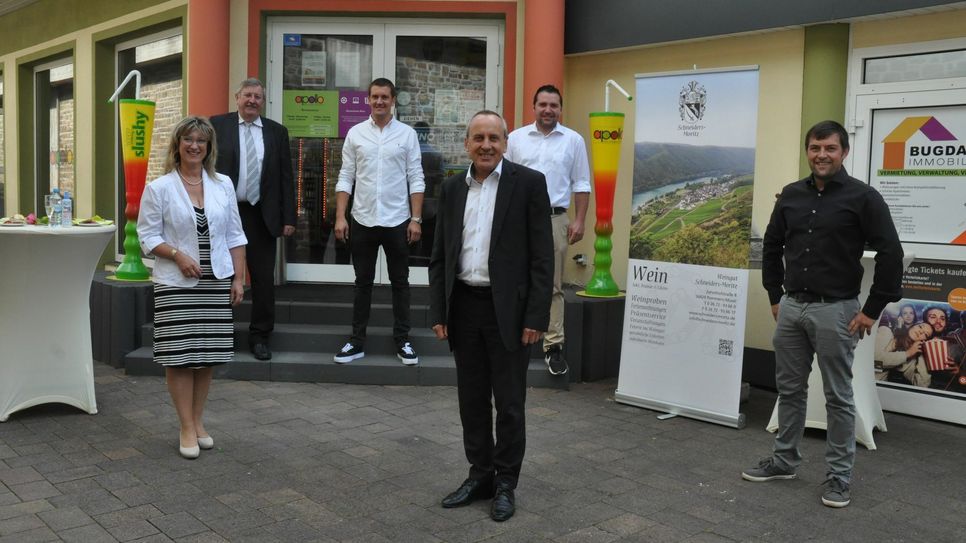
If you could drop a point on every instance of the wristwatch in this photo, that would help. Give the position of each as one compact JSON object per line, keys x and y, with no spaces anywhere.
{"x":417,"y":220}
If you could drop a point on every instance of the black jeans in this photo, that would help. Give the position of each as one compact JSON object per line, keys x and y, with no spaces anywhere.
{"x":364,"y":242}
{"x":260,"y":258}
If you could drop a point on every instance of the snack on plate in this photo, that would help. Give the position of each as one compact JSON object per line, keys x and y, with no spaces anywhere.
{"x":16,"y":219}
{"x":95,"y":220}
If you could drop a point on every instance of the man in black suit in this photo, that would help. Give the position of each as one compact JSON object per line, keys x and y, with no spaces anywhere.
{"x":491,"y":277}
{"x":254,"y":152}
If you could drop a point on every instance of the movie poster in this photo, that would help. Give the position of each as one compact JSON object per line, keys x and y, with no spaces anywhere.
{"x":921,"y":341}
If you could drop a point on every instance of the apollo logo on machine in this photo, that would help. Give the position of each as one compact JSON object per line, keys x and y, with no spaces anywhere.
{"x":310,"y":99}
{"x":615,"y":136}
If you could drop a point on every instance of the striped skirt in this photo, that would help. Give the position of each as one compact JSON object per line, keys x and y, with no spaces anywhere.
{"x":193,"y":326}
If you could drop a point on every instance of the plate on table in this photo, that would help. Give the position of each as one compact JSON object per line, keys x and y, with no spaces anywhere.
{"x":93,"y":221}
{"x":10,"y":224}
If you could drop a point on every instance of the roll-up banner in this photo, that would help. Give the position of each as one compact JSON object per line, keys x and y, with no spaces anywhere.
{"x":687,"y":278}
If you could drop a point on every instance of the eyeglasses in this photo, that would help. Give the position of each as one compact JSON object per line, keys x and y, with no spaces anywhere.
{"x":201,"y":142}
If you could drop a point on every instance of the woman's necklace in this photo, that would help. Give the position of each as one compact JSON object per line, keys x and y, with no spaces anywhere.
{"x":185,"y":179}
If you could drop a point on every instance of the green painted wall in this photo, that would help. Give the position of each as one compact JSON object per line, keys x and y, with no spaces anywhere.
{"x":825,"y":78}
{"x":49,"y":19}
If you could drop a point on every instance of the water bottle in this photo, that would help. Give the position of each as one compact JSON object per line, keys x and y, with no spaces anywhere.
{"x":57,"y":209}
{"x":67,"y":211}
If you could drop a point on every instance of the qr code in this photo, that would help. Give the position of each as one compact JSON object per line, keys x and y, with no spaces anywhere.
{"x":725,"y":346}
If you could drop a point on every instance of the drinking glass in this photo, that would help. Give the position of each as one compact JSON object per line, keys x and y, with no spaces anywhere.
{"x":49,"y":207}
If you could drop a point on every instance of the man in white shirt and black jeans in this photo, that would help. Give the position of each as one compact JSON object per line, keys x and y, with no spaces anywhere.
{"x":560,"y":154}
{"x":382,"y":169}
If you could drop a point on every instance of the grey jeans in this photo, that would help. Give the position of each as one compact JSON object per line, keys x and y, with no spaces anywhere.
{"x":804,"y":330}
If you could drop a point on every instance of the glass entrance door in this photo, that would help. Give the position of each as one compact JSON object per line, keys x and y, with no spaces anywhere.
{"x":317,"y":88}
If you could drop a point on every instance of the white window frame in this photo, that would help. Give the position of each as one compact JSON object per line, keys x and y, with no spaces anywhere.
{"x":864,"y":98}
{"x":52,"y":65}
{"x":384,"y":30}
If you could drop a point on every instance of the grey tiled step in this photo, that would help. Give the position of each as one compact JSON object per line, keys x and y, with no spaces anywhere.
{"x":326,"y":312}
{"x":341,"y":292}
{"x":378,"y":369}
{"x":329,"y":339}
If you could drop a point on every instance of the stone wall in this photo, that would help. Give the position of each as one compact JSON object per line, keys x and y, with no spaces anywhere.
{"x":425,"y":83}
{"x":62,"y":106}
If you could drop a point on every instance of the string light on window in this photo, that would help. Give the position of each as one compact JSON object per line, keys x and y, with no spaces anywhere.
{"x":298,"y":182}
{"x":323,"y":186}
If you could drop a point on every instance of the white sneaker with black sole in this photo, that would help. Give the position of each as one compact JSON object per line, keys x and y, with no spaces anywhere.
{"x":348,"y":353}
{"x":407,"y":354}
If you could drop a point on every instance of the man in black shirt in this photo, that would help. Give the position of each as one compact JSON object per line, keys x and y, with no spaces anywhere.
{"x":812,"y":270}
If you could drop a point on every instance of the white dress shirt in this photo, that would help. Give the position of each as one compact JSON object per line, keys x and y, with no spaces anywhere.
{"x":168,"y":216}
{"x":560,"y":156}
{"x":478,"y":228}
{"x":385,"y":166}
{"x":241,"y":191}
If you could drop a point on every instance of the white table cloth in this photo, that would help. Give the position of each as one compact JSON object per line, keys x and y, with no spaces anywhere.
{"x":868,"y":410}
{"x":45,"y":329}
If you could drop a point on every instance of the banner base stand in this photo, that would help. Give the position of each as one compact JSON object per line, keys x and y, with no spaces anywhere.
{"x":126,"y":280}
{"x":586,"y":294}
{"x":683,"y":411}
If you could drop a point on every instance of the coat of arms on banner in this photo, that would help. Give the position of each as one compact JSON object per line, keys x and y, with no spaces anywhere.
{"x":692,"y":100}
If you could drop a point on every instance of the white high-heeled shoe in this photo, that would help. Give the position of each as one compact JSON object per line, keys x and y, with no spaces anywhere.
{"x":189,"y":452}
{"x":206,"y":442}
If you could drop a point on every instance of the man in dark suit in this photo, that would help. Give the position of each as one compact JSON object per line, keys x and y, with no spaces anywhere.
{"x":254,"y":152}
{"x":491,"y":278}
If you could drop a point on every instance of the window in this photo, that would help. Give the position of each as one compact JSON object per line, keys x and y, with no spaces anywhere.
{"x":54,"y":135}
{"x":916,"y":67}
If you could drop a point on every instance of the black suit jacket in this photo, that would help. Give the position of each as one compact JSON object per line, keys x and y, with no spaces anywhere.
{"x":521,"y":252}
{"x":277,"y":189}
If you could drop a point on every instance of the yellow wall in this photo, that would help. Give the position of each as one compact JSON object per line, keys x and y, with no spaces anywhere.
{"x":779,"y":56}
{"x":931,"y":27}
{"x":82,"y":42}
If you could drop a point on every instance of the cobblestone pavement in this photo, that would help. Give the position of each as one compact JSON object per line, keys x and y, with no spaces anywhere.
{"x":323,"y":462}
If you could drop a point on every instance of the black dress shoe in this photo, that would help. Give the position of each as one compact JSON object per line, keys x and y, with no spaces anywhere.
{"x":502,"y":507}
{"x":468,"y":492}
{"x":261,"y":351}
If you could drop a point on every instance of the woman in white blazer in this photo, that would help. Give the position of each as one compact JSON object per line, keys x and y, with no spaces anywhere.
{"x":189,"y":221}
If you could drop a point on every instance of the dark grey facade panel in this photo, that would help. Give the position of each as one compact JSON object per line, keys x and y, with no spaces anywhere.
{"x":596,"y":25}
